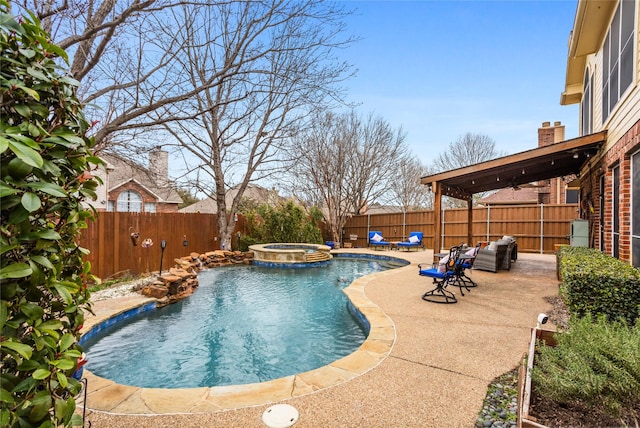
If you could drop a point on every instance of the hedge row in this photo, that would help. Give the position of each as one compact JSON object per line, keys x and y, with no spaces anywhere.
{"x":598,"y":284}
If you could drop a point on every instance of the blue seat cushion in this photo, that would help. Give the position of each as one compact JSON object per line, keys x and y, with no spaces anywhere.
{"x":434,"y":273}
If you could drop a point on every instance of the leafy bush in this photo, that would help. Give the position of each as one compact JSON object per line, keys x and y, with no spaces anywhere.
{"x":595,"y":362}
{"x":286,"y":222}
{"x":45,"y":161}
{"x":598,"y":284}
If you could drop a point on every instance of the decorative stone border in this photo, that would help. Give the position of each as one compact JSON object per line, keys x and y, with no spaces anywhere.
{"x":181,"y":281}
{"x":290,"y":254}
{"x":108,"y":396}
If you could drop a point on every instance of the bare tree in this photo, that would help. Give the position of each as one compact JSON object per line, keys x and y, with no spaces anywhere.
{"x":223,"y":82}
{"x":406,"y":190}
{"x":109,"y":43}
{"x":344,"y":162}
{"x":468,"y":149}
{"x":274,"y":65}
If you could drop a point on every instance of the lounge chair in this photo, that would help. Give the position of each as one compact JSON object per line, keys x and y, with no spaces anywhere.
{"x":376,"y":240}
{"x":442,"y":274}
{"x":414,"y":241}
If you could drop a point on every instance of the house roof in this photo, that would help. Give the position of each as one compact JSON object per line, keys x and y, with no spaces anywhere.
{"x":508,"y":196}
{"x":121,"y":171}
{"x":589,"y":29}
{"x":542,"y":163}
{"x":253,"y":191}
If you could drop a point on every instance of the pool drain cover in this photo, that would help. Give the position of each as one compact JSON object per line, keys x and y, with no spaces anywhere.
{"x":280,"y":416}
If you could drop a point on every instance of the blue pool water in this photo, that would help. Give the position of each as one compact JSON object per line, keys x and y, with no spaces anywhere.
{"x":243,"y":324}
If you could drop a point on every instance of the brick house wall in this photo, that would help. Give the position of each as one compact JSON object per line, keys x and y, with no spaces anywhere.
{"x":555,"y":192}
{"x":146,"y":197}
{"x":619,"y":155}
{"x":152,"y":183}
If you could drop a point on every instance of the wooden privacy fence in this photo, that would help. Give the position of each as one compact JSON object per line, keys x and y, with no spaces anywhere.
{"x":538,"y":228}
{"x":113,"y":252}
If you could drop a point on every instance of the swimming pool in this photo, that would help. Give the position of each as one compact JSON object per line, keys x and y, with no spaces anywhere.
{"x":269,"y":323}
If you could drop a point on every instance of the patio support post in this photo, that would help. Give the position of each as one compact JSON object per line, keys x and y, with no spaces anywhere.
{"x":470,"y":222}
{"x":437,"y":217}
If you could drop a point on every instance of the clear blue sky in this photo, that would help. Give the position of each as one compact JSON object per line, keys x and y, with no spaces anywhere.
{"x":441,"y":69}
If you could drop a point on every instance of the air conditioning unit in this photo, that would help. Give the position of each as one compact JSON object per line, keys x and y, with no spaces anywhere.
{"x":579,"y":236}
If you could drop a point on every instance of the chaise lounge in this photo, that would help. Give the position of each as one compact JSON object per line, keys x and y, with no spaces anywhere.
{"x":376,"y":240}
{"x":414,"y":241}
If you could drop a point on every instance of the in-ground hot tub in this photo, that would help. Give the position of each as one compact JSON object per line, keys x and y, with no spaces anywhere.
{"x":290,"y":254}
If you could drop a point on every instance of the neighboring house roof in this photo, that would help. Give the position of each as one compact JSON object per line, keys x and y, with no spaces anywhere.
{"x":376,"y":208}
{"x":122,"y":171}
{"x":525,"y":195}
{"x":253,"y":191}
{"x":206,"y":206}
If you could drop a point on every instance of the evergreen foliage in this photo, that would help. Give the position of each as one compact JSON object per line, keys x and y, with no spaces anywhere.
{"x":595,"y":362}
{"x":596,"y":283}
{"x":287,"y":222}
{"x":45,"y":157}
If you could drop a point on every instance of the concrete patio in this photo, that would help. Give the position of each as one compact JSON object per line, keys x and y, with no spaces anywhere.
{"x":424,"y":364}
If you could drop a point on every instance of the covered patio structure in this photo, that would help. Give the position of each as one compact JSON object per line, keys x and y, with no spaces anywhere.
{"x":542,"y":163}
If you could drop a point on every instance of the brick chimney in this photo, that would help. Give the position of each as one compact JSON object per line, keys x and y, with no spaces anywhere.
{"x":159,"y":166}
{"x":548,"y":134}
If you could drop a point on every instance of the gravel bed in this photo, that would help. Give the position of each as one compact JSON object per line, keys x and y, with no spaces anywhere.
{"x":500,"y":406}
{"x":125,"y":289}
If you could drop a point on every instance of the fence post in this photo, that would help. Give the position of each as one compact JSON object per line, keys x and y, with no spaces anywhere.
{"x":368,"y":226}
{"x":488,"y":222}
{"x":541,"y":228}
{"x":442,"y":234}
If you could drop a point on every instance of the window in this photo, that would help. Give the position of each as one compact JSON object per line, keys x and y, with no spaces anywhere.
{"x":615,"y":212}
{"x":618,"y":57}
{"x":111,"y":206}
{"x":149,"y":207}
{"x":586,"y":105}
{"x":129,"y":201}
{"x":601,"y":214}
{"x":571,"y":196}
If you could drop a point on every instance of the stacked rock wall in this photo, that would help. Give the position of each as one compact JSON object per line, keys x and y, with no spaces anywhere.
{"x":181,"y":280}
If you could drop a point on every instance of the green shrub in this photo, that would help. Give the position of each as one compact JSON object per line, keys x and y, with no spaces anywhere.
{"x":598,"y":284}
{"x":287,"y":222}
{"x":594,"y":362}
{"x":45,"y":158}
{"x":246,"y":241}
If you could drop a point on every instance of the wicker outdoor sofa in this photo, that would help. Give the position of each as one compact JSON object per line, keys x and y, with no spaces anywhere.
{"x":497,"y":255}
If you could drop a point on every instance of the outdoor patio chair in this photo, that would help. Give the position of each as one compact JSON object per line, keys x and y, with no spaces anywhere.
{"x":376,"y":240}
{"x":414,"y":241}
{"x":442,"y":274}
{"x":465,"y":262}
{"x":491,"y":257}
